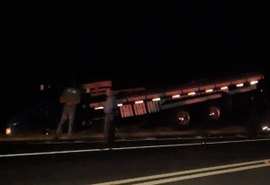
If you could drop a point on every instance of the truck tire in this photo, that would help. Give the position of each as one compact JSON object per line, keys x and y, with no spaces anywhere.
{"x":214,"y":112}
{"x":181,"y":119}
{"x":220,"y":109}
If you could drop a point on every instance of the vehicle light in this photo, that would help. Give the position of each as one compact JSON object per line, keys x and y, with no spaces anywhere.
{"x":138,"y":102}
{"x":181,"y":118}
{"x":191,"y":93}
{"x":209,"y":90}
{"x":119,"y":104}
{"x":176,"y":96}
{"x":224,"y":88}
{"x":156,"y":99}
{"x":240,"y":85}
{"x":265,"y":128}
{"x":42,"y":87}
{"x":99,"y":108}
{"x":253,"y":82}
{"x":8,"y":131}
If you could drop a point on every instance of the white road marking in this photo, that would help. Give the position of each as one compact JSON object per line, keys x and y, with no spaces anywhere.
{"x":190,"y":174}
{"x":127,"y":148}
{"x":186,"y":177}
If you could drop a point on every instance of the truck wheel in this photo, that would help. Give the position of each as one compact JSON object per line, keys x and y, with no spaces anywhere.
{"x":182,"y":119}
{"x":214,"y":112}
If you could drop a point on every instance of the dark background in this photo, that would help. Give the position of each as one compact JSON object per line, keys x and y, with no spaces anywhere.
{"x":85,"y":41}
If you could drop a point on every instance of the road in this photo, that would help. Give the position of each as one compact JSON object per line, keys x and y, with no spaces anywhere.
{"x":158,"y":162}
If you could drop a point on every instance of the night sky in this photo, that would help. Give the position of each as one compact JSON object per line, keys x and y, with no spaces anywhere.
{"x":96,"y":40}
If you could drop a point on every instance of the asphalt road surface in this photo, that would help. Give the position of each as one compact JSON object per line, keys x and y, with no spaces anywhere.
{"x":164,"y":162}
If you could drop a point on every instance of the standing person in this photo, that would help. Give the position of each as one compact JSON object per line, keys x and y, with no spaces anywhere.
{"x":70,"y":98}
{"x":110,"y":106}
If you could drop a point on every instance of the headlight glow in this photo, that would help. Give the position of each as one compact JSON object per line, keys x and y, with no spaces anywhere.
{"x":8,"y":131}
{"x":265,"y":128}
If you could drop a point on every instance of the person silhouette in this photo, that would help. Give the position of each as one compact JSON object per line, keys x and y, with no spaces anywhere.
{"x":70,"y":97}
